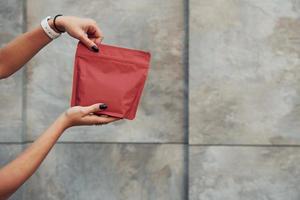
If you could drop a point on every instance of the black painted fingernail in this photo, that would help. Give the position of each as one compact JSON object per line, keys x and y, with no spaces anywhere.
{"x":103,"y":106}
{"x":95,"y":48}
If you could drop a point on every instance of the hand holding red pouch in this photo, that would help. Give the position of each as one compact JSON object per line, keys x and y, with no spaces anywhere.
{"x":114,"y":75}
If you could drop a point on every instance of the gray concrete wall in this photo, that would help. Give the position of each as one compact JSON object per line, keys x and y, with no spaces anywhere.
{"x":219,"y":118}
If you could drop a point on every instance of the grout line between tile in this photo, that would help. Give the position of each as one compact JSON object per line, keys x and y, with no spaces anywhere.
{"x":24,"y":72}
{"x":186,"y":100}
{"x":99,"y":142}
{"x":245,"y":145}
{"x":159,"y":143}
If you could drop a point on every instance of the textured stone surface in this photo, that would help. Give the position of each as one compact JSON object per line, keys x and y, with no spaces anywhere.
{"x":248,"y":173}
{"x":8,"y":152}
{"x":244,"y":72}
{"x":244,"y":89}
{"x":154,"y":26}
{"x":109,"y":171}
{"x":11,"y":23}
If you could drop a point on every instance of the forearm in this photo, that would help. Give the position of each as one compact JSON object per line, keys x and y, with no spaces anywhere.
{"x":19,"y":51}
{"x":14,"y":174}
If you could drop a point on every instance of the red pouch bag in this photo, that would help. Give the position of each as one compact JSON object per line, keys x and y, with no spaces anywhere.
{"x":115,"y":76}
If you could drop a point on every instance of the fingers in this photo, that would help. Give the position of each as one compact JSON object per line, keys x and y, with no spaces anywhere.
{"x":84,"y":29}
{"x":88,"y":43}
{"x":94,"y":108}
{"x":97,"y":41}
{"x":95,"y":120}
{"x":96,"y":34}
{"x":93,"y":35}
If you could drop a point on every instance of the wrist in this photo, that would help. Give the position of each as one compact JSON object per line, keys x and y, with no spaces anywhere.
{"x":63,"y":121}
{"x":50,"y":22}
{"x":58,"y":23}
{"x":50,"y":32}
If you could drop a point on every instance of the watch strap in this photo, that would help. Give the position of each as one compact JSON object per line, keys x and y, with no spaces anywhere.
{"x":48,"y":30}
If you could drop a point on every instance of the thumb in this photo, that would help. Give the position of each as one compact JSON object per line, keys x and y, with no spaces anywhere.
{"x":94,"y":108}
{"x":88,"y":43}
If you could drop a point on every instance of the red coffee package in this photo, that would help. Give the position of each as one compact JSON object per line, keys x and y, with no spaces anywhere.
{"x":115,"y":76}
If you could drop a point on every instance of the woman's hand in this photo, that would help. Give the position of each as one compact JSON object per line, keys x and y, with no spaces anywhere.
{"x":83,"y":29}
{"x":19,"y":51}
{"x":78,"y":115}
{"x":15,"y":173}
